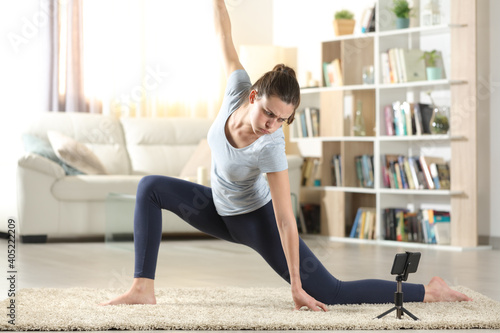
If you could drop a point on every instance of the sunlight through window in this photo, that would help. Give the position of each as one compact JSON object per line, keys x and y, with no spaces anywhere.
{"x":152,"y":58}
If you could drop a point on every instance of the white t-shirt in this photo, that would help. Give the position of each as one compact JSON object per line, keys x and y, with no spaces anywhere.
{"x":237,"y":180}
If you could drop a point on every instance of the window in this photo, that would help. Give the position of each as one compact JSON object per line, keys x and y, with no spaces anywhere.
{"x":152,"y":57}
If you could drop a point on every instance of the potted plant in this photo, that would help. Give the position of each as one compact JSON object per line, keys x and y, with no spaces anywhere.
{"x":401,"y":8}
{"x":344,"y":23}
{"x":433,"y":71}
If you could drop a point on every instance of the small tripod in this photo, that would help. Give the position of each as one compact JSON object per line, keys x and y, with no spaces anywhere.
{"x":404,"y":263}
{"x":398,"y":302}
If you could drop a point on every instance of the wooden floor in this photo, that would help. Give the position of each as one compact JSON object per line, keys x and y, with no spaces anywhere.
{"x":208,"y":262}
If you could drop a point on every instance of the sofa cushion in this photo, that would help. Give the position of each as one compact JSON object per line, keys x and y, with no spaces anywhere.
{"x":101,"y":134}
{"x":93,"y":187}
{"x":162,"y":146}
{"x":35,"y":145}
{"x":76,"y":154}
{"x":201,"y":157}
{"x":41,"y":164}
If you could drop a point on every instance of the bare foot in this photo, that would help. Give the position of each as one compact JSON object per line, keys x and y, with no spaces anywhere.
{"x":141,"y":292}
{"x":438,"y":291}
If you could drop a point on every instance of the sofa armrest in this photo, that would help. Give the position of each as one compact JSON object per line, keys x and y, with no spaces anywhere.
{"x":41,"y":164}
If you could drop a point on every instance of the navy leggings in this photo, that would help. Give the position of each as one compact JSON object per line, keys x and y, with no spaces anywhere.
{"x":257,"y":229}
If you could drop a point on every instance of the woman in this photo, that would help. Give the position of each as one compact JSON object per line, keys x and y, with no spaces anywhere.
{"x":246,"y":140}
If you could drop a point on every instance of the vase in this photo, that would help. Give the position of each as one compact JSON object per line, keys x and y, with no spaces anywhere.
{"x":433,"y":73}
{"x":359,"y":121}
{"x":439,"y":123}
{"x":402,"y":23}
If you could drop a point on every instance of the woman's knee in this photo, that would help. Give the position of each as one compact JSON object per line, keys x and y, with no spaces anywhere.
{"x":148,"y":185}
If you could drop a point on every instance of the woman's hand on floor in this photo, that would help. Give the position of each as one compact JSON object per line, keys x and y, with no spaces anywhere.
{"x":301,"y":299}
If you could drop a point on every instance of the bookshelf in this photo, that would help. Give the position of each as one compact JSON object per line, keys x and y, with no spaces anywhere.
{"x":337,"y":105}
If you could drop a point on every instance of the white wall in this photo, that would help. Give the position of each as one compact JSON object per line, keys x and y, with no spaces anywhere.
{"x":20,"y":88}
{"x":308,"y":23}
{"x":251,"y":22}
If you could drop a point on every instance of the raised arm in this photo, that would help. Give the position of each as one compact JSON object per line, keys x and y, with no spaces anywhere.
{"x":223,"y":31}
{"x":287,"y":226}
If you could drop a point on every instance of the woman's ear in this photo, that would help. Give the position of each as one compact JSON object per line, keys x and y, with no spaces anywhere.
{"x":253,"y":96}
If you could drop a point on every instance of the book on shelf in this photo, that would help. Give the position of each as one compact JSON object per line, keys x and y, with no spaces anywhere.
{"x":417,"y":119}
{"x":364,"y":170}
{"x":314,"y":114}
{"x":385,"y":68}
{"x":316,"y":173}
{"x":423,"y":226}
{"x":442,"y":227}
{"x":311,"y":172}
{"x":400,"y":65}
{"x":363,"y":226}
{"x":309,"y":126}
{"x":368,"y":20}
{"x":306,"y":123}
{"x":443,"y":171}
{"x":389,"y":120}
{"x":336,"y":170}
{"x":425,"y":163}
{"x":400,"y":118}
{"x":414,"y":172}
{"x":303,"y":123}
{"x":425,"y":114}
{"x":332,"y":73}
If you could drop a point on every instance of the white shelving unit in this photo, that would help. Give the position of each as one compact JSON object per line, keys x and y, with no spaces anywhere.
{"x":339,"y":204}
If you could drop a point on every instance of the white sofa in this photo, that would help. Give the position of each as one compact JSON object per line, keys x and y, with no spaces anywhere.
{"x":54,"y":204}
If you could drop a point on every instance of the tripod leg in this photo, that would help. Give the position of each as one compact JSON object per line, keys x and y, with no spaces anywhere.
{"x":386,"y":313}
{"x":409,"y":314}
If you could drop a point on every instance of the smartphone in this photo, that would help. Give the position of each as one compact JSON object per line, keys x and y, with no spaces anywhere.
{"x":405,"y":263}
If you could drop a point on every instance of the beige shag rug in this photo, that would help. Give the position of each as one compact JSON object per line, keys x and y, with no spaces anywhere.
{"x":231,"y":309}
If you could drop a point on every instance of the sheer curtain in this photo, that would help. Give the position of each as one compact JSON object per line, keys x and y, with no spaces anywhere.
{"x":152,"y":58}
{"x":65,"y":76}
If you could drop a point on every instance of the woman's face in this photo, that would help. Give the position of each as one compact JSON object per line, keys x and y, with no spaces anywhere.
{"x":268,"y":113}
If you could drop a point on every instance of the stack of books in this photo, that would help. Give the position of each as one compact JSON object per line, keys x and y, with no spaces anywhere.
{"x":406,"y":119}
{"x":424,"y":226}
{"x":400,"y":65}
{"x":363,"y":226}
{"x":306,"y":123}
{"x":415,"y":172}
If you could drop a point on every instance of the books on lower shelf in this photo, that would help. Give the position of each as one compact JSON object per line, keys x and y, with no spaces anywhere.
{"x":363,"y":226}
{"x":425,"y":226}
{"x":306,"y":123}
{"x":415,"y":172}
{"x":406,"y":119}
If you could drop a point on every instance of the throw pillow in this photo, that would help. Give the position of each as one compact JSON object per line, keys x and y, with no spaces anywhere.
{"x":35,"y":145}
{"x":202,"y":157}
{"x":75,"y":154}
